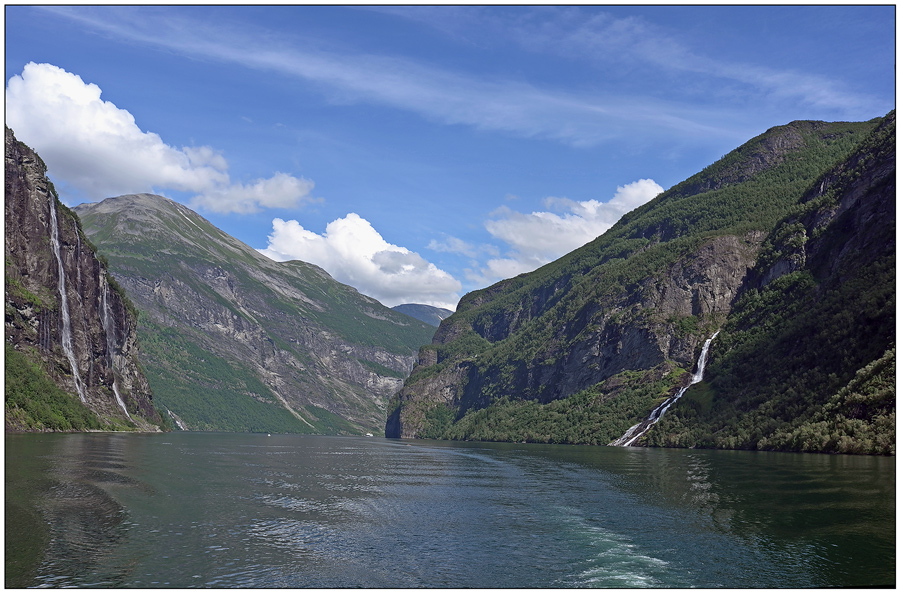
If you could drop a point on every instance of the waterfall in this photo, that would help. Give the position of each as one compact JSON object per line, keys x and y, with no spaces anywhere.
{"x":66,"y":337}
{"x":110,"y":328}
{"x":641,"y":428}
{"x":177,"y":421}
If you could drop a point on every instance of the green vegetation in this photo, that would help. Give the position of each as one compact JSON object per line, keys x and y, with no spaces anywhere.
{"x":783,"y":351}
{"x":643,"y":244}
{"x":796,"y":352}
{"x":35,"y":403}
{"x":381,"y":369}
{"x":17,"y":290}
{"x":208,"y":392}
{"x":782,"y":370}
{"x":158,"y":252}
{"x":860,"y":418}
{"x":289,"y":320}
{"x":326,"y":422}
{"x":594,"y":416}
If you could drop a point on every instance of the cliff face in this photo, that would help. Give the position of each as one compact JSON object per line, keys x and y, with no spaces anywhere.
{"x":637,"y":327}
{"x":818,"y":315}
{"x":581,"y":349}
{"x":61,"y":309}
{"x":236,"y":341}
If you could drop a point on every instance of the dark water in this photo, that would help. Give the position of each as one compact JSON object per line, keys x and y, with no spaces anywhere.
{"x":228,"y":510}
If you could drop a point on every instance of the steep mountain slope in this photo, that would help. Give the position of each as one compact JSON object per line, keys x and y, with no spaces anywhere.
{"x":71,"y":351}
{"x":236,"y":341}
{"x":818,"y":315}
{"x":581,"y":349}
{"x":427,"y":313}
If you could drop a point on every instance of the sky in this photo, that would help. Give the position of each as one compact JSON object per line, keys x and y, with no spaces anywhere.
{"x":418,"y":153}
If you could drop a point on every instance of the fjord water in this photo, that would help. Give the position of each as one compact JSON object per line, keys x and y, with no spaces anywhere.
{"x":239,"y":510}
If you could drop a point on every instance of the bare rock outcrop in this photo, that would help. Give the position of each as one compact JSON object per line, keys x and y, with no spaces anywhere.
{"x":62,"y":308}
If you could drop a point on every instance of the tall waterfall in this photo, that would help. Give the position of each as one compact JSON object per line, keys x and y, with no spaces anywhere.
{"x":66,"y":338}
{"x":641,"y":428}
{"x":110,"y":328}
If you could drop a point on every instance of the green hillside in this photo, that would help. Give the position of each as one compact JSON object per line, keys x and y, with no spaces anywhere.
{"x":582,"y":348}
{"x":235,"y":341}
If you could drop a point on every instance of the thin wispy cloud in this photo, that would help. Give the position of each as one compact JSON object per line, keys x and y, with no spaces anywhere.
{"x":514,"y":106}
{"x":639,"y":48}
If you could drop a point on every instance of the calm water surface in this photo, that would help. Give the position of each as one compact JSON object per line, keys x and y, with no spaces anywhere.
{"x":237,"y":510}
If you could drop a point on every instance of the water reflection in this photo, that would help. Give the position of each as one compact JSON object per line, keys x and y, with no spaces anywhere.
{"x":85,"y":523}
{"x":218,"y":510}
{"x":831,"y":518}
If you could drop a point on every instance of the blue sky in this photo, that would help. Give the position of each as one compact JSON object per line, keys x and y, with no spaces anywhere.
{"x":418,"y":153}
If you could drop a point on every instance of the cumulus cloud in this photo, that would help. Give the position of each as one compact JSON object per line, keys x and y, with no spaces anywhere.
{"x":98,"y":149}
{"x":355,"y":253}
{"x":541,"y":237}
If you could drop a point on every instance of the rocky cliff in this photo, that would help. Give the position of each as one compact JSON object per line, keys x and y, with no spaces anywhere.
{"x":63,"y":311}
{"x":236,"y":341}
{"x":581,"y":349}
{"x":817,"y":314}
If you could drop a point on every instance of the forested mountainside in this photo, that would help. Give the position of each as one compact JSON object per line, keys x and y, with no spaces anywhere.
{"x":71,"y":333}
{"x":785,"y":246}
{"x":235,"y":341}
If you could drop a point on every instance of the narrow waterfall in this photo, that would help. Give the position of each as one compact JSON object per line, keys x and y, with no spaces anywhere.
{"x":66,"y":337}
{"x":109,"y":326}
{"x":641,"y":428}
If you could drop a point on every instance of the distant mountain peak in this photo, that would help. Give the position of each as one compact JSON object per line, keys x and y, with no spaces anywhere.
{"x":238,"y":341}
{"x":427,"y":313}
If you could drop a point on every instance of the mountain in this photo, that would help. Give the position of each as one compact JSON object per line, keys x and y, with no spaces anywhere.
{"x":427,"y":313}
{"x":785,"y":246}
{"x":71,"y":339}
{"x":235,"y":341}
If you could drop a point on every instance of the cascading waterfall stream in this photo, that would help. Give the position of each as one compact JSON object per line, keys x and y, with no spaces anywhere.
{"x":66,"y":338}
{"x":110,"y":329}
{"x":641,"y":428}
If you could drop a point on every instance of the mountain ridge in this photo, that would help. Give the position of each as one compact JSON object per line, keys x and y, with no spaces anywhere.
{"x":427,"y":313}
{"x":610,"y":327}
{"x":283,"y":342}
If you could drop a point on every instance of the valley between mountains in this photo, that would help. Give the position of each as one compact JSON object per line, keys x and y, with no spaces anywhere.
{"x":236,"y":341}
{"x":147,"y":317}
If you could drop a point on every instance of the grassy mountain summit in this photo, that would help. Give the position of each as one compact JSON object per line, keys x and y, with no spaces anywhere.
{"x":236,"y":341}
{"x":584,"y":347}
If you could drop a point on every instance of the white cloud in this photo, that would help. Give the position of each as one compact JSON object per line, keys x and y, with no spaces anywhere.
{"x":354,"y":253}
{"x":630,"y":43}
{"x":487,"y":103}
{"x":98,"y":149}
{"x":456,"y":245}
{"x":453,"y":245}
{"x":541,"y":237}
{"x":279,"y":191}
